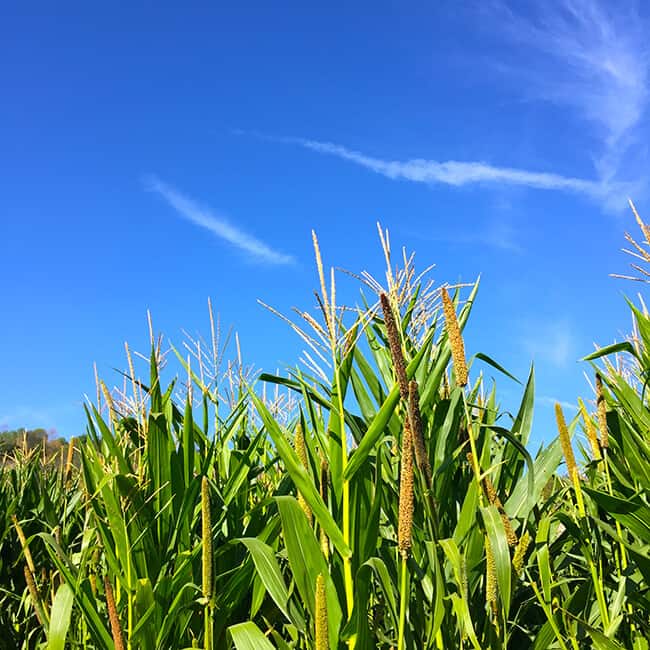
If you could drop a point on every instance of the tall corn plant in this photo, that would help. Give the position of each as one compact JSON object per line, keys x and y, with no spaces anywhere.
{"x":618,"y":491}
{"x":591,"y":546}
{"x":165,"y":498}
{"x":396,"y":507}
{"x":37,"y":494}
{"x":412,"y":491}
{"x":618,"y":476}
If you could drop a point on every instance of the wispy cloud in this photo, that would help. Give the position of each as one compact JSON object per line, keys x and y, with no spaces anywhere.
{"x":216,"y":224}
{"x":452,"y":172}
{"x":589,"y":55}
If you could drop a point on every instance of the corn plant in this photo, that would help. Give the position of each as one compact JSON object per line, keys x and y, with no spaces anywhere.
{"x":157,"y":566}
{"x":442,"y":495}
{"x":37,"y":493}
{"x":381,"y":498}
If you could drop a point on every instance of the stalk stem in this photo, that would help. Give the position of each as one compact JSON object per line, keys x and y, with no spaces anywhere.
{"x":623,"y":554}
{"x":549,"y":614}
{"x":347,"y":564}
{"x":129,"y":598}
{"x":472,"y":445}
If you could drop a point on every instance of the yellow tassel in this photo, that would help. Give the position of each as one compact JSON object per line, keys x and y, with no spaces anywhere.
{"x":108,"y":398}
{"x":490,"y":492}
{"x":565,"y":441}
{"x":455,"y":339}
{"x":69,"y":459}
{"x":324,"y":541}
{"x":511,"y":536}
{"x":206,"y":555}
{"x":33,"y":592}
{"x":601,"y":406}
{"x":299,"y":445}
{"x":301,"y":452}
{"x":327,"y":312}
{"x":116,"y":628}
{"x":490,"y":577}
{"x":395,"y":346}
{"x":322,"y":630}
{"x":590,"y":432}
{"x":567,"y":450}
{"x":405,"y":517}
{"x":520,"y":553}
{"x":493,"y":498}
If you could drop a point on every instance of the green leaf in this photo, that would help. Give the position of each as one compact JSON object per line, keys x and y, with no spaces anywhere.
{"x":495,"y":365}
{"x":601,"y":642}
{"x":530,"y":477}
{"x":545,"y":574}
{"x":307,"y":562}
{"x":510,"y":470}
{"x":443,"y":434}
{"x":546,"y":462}
{"x":464,"y":617}
{"x":624,"y":346}
{"x":438,"y":605}
{"x":633,"y":513}
{"x":378,"y":567}
{"x":146,"y":615}
{"x":188,"y":443}
{"x":269,"y":572}
{"x":82,"y":592}
{"x":247,"y":636}
{"x":499,"y":545}
{"x":301,"y":479}
{"x":60,"y":618}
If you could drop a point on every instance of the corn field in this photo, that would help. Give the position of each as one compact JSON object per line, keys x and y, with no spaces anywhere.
{"x":374,"y":496}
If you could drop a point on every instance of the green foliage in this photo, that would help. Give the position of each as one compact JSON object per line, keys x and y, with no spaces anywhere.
{"x":501,"y":553}
{"x":38,"y":495}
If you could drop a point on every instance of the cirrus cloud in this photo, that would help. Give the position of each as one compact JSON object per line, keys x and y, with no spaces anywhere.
{"x":218,"y":225}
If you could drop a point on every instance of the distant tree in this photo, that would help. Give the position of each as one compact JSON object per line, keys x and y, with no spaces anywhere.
{"x":31,"y":438}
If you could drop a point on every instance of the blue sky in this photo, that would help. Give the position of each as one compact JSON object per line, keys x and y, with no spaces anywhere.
{"x":153,"y":156}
